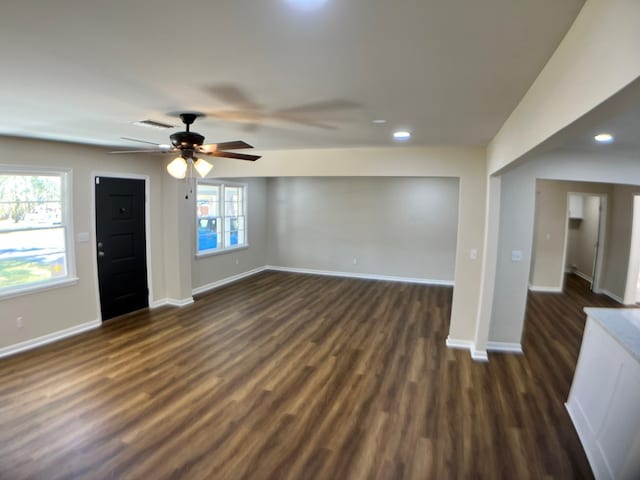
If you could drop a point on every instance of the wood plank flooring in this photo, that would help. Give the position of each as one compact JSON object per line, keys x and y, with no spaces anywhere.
{"x":297,"y":377}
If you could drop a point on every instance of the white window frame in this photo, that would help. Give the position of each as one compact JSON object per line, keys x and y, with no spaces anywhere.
{"x":66,"y":201}
{"x":223,"y":249}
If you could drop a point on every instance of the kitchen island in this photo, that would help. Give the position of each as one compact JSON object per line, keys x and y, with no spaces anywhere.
{"x":604,"y":401}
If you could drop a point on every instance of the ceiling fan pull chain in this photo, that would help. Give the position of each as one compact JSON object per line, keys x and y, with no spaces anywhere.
{"x":187,"y":179}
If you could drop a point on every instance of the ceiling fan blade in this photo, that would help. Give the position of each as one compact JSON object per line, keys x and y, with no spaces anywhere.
{"x":233,"y":95}
{"x":235,"y":145}
{"x":140,"y":151}
{"x":239,"y":156}
{"x":141,"y":141}
{"x":303,"y":121}
{"x":320,"y":107}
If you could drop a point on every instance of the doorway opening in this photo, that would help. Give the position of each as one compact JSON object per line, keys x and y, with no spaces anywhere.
{"x":632,"y":290}
{"x":584,"y":237}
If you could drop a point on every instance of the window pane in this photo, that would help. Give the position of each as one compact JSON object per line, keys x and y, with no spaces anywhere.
{"x":233,"y":201}
{"x":28,"y":201}
{"x":240,"y":231}
{"x":32,"y":256}
{"x":226,"y":229}
{"x":208,"y":200}
{"x":208,"y":233}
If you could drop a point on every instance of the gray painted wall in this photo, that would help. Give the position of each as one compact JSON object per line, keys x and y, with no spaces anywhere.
{"x":212,"y":268}
{"x":391,"y":226}
{"x":517,"y":205}
{"x":517,"y":220}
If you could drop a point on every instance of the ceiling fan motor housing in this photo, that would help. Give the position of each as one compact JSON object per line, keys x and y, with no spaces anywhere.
{"x":186,"y":140}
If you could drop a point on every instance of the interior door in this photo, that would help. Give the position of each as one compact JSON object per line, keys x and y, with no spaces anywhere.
{"x":121,"y":245}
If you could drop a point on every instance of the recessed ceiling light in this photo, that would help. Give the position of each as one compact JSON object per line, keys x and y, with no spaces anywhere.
{"x":308,"y":5}
{"x":604,"y":138}
{"x":379,"y":121}
{"x":402,"y":135}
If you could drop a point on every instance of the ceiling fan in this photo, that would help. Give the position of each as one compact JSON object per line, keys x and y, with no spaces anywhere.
{"x":189,"y":145}
{"x":243,"y":109}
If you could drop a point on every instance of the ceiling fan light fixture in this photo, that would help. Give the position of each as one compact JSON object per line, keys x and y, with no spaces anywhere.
{"x":202,"y":167}
{"x":177,"y":168}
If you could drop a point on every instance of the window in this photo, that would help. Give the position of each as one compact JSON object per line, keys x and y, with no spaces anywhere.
{"x":34,"y":229}
{"x":221,"y":216}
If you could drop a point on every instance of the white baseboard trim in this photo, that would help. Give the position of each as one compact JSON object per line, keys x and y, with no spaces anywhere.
{"x":459,"y":344}
{"x":49,"y":338}
{"x":613,"y":296}
{"x":226,"y":281}
{"x":365,"y":276}
{"x":535,"y":288}
{"x":584,"y":276}
{"x":182,"y":302}
{"x":158,"y":303}
{"x":507,"y":347}
{"x":479,"y":355}
{"x":173,"y":302}
{"x":476,"y":355}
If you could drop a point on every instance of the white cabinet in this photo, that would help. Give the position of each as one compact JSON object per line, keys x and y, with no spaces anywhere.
{"x":604,"y":404}
{"x":576,"y":206}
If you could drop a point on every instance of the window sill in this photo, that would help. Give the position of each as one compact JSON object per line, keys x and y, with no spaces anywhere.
{"x":37,"y":288}
{"x":212,"y":253}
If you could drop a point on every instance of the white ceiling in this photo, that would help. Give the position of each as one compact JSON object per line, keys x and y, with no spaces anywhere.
{"x":451,"y":71}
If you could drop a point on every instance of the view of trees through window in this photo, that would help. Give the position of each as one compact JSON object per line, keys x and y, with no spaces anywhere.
{"x":32,"y":229}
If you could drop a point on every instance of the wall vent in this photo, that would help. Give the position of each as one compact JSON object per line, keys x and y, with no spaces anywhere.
{"x":153,"y":124}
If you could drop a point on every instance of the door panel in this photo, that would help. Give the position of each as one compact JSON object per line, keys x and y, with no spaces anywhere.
{"x":121,"y":246}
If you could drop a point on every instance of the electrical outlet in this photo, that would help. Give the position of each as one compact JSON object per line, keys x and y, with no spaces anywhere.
{"x":19,"y":322}
{"x":237,"y":261}
{"x":473,"y":254}
{"x":355,"y":261}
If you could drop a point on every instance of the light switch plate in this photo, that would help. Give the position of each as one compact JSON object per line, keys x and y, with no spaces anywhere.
{"x":83,"y":237}
{"x":516,"y":255}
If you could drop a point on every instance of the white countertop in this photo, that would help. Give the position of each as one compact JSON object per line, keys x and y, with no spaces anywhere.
{"x":622,"y":323}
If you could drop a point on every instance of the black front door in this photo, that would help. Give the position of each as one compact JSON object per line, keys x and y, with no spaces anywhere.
{"x":121,"y":245}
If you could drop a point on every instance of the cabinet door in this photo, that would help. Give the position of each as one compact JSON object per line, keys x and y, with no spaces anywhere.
{"x":620,"y":435}
{"x":596,"y":375}
{"x":576,"y":206}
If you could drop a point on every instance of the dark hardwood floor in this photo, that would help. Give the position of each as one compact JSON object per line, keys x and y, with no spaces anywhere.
{"x":297,"y":376}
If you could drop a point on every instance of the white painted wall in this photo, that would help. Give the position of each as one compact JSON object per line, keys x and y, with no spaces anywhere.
{"x":404,"y":227}
{"x":597,"y":58}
